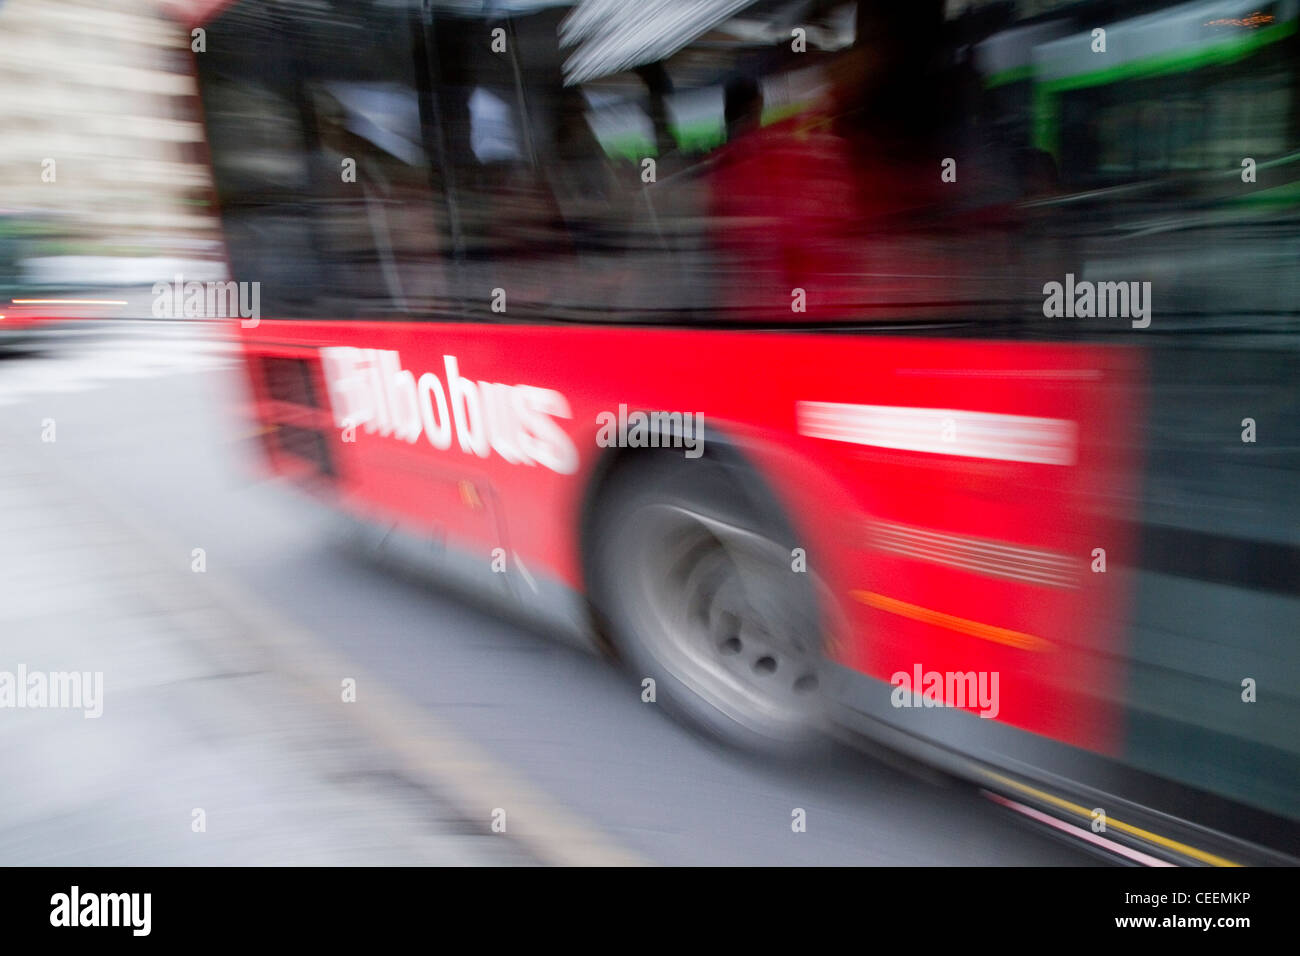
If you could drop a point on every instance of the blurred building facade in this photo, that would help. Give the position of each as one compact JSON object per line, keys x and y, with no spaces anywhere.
{"x":101,"y":159}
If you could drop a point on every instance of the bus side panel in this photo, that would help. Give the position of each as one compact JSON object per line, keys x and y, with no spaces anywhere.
{"x":962,"y":502}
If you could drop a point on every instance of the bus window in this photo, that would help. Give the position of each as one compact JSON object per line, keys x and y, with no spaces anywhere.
{"x":553,"y":215}
{"x":322,"y":177}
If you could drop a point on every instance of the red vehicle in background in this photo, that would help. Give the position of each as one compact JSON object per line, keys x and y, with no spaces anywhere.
{"x":691,"y":370}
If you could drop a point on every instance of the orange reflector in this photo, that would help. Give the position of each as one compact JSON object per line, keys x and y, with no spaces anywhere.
{"x":469,"y":495}
{"x":987,"y":632}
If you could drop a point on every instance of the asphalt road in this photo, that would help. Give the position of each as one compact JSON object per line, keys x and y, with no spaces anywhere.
{"x":147,"y":414}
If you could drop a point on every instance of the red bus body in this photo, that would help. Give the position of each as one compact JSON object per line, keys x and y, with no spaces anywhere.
{"x":966,"y":496}
{"x":1060,"y":681}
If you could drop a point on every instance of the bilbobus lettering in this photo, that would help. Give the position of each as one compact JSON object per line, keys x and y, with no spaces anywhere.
{"x":370,"y":388}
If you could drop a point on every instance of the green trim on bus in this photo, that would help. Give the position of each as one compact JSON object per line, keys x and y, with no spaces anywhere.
{"x":1017,"y":74}
{"x":1233,"y":49}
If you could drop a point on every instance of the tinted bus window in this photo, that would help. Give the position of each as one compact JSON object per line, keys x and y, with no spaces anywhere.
{"x":551,"y":220}
{"x":326,"y":190}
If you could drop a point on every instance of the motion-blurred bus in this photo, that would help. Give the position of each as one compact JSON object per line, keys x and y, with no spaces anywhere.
{"x":924,"y":375}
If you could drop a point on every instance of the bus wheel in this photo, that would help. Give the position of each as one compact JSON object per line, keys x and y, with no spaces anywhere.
{"x":689,"y":571}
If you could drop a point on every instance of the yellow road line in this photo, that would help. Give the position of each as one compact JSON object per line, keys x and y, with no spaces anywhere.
{"x":1111,"y":822}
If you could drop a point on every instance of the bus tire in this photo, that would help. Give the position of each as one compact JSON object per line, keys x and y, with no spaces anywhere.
{"x":690,"y":575}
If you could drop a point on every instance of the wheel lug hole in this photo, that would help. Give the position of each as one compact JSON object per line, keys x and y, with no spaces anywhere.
{"x":806,"y":683}
{"x":730,"y":646}
{"x":765,"y":665}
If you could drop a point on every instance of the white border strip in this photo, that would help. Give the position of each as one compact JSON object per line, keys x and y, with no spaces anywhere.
{"x":1137,"y":856}
{"x":942,"y":431}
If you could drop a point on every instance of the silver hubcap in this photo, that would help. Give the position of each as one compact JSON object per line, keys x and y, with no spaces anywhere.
{"x":721,"y":619}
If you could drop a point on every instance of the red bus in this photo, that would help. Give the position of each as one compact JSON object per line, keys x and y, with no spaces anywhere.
{"x":771,"y":358}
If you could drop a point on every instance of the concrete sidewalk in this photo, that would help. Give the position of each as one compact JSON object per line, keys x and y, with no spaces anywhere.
{"x":194,"y":717}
